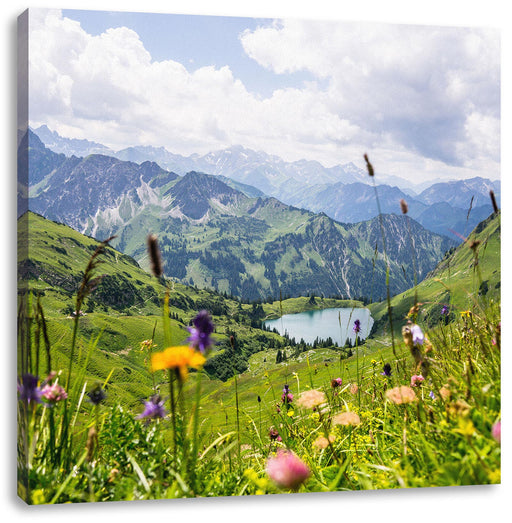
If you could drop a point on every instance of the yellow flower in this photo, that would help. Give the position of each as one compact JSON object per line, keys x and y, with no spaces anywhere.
{"x":178,"y":358}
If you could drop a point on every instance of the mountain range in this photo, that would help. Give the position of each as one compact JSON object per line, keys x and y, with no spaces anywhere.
{"x":343,"y":192}
{"x":215,"y":235}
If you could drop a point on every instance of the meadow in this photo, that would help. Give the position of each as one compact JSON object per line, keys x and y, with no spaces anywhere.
{"x":417,"y":405}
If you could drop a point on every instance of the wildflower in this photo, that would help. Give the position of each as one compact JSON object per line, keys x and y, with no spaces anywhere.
{"x":346,"y":418}
{"x":53,"y":393}
{"x":96,"y":395}
{"x":286,"y":470}
{"x":287,"y":396}
{"x":147,"y":345}
{"x":322,"y":442}
{"x":387,"y":370}
{"x":496,"y":431}
{"x":416,"y":380}
{"x":403,"y":206}
{"x":445,"y":310}
{"x":200,"y":332}
{"x":417,"y":335}
{"x":311,"y":399}
{"x":154,"y":408}
{"x":402,"y":394}
{"x":445,"y":392}
{"x":177,"y":358}
{"x":432,"y":395}
{"x":357,"y":326}
{"x":336,"y":382}
{"x":353,"y":388}
{"x":28,"y":389}
{"x":274,"y":435}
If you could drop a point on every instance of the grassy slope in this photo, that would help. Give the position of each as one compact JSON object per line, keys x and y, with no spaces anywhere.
{"x":456,"y":280}
{"x":60,"y":253}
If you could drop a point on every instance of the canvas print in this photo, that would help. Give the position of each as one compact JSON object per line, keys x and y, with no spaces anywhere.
{"x":255,"y":256}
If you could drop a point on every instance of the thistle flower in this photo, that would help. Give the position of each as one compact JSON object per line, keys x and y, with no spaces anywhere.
{"x":154,"y":408}
{"x":28,"y":389}
{"x":400,"y":395}
{"x":179,"y":358}
{"x":416,"y":380}
{"x":53,"y":393}
{"x":274,"y":435}
{"x":200,"y":332}
{"x":346,"y":418}
{"x":311,"y":398}
{"x":357,"y":326}
{"x":336,"y":382}
{"x":287,"y":396}
{"x":287,"y":471}
{"x":386,"y":370}
{"x":96,"y":395}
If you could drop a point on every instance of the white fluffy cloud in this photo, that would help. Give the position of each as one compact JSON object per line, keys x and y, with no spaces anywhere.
{"x":420,"y":85}
{"x":425,"y":95}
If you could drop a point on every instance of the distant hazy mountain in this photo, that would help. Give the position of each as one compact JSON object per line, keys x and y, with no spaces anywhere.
{"x":343,"y":192}
{"x":69,"y":146}
{"x":461,"y":193}
{"x":214,"y":235}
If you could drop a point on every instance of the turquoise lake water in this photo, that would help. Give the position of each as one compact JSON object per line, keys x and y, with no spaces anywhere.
{"x":336,"y":323}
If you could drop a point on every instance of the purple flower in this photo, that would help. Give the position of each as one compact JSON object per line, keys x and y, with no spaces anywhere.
{"x":28,"y":388}
{"x":200,"y":333}
{"x":357,"y":326}
{"x":387,"y":370}
{"x":445,"y":310}
{"x":96,"y":395}
{"x":154,"y":408}
{"x":417,"y":335}
{"x":432,"y":395}
{"x":287,"y":396}
{"x":286,"y":470}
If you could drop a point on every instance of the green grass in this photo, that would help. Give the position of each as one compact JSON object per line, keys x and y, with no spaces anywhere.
{"x":216,"y":442}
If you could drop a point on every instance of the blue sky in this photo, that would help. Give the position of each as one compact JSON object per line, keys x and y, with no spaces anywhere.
{"x":423,"y":101}
{"x":195,"y":41}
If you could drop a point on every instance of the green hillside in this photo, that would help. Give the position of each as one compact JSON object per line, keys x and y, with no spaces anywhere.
{"x":126,"y":306}
{"x":471,"y":270}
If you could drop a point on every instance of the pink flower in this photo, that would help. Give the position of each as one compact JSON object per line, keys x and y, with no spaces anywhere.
{"x":286,"y":470}
{"x":416,"y":380}
{"x":53,"y":393}
{"x":496,"y":431}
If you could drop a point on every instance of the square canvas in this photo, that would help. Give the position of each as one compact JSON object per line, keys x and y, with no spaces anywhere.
{"x":255,"y":256}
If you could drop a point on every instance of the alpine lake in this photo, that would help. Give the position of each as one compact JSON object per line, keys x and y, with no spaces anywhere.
{"x":335,"y":323}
